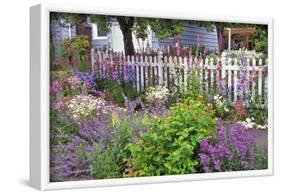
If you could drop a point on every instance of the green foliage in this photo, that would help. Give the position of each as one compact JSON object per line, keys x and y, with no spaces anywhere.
{"x":165,"y":28}
{"x":68,"y":18}
{"x":194,"y":86}
{"x":126,"y":130}
{"x":222,"y":107}
{"x":256,"y":110}
{"x":170,"y":145}
{"x":76,"y":51}
{"x":110,"y":162}
{"x":261,"y":160}
{"x":103,"y":21}
{"x":78,"y":45}
{"x":261,"y":40}
{"x":114,"y":90}
{"x":104,"y":164}
{"x":61,"y":129}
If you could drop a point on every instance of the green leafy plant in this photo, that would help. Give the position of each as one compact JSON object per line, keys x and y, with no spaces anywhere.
{"x":114,"y":89}
{"x":76,"y":50}
{"x":194,"y":87}
{"x":110,"y":161}
{"x":261,"y":40}
{"x":261,"y":161}
{"x":61,"y":128}
{"x":104,"y":164}
{"x":170,"y":145}
{"x":257,"y":111}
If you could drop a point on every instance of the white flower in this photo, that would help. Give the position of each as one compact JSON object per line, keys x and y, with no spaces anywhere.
{"x":158,"y":93}
{"x":248,"y":120}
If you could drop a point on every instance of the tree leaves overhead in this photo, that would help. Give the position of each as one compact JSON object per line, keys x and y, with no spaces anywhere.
{"x":163,"y":28}
{"x":68,"y":18}
{"x":103,"y":22}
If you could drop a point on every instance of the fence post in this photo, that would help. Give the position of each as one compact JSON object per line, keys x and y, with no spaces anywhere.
{"x":223,"y":65}
{"x":235,"y":79}
{"x":160,"y":68}
{"x":260,"y":78}
{"x":253,"y":76}
{"x":212,"y":69}
{"x":92,"y":59}
{"x":265,"y":84}
{"x":185,"y":70}
{"x":206,"y":79}
{"x":138,"y":72}
{"x":229,"y":76}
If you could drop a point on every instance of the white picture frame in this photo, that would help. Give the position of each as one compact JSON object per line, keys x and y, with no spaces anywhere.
{"x":39,"y":101}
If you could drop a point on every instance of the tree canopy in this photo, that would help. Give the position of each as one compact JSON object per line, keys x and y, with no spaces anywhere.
{"x":163,"y":28}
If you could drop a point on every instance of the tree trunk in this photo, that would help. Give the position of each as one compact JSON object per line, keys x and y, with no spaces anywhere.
{"x":128,"y":43}
{"x":126,"y":24}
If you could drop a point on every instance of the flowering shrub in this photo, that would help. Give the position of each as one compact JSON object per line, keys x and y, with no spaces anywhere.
{"x":98,"y":148}
{"x":76,"y":51}
{"x":240,"y":110}
{"x":157,"y":94}
{"x":109,"y":161}
{"x":250,"y":123}
{"x":68,"y":84}
{"x":257,"y":113}
{"x":221,"y":106}
{"x":228,"y":151}
{"x":129,"y":74}
{"x":194,"y":87}
{"x":71,"y":158}
{"x":169,"y":146}
{"x":61,"y":129}
{"x":83,"y":107}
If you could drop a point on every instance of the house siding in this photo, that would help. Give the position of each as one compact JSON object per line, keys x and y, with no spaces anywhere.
{"x":189,"y":36}
{"x":59,"y":33}
{"x":101,"y":43}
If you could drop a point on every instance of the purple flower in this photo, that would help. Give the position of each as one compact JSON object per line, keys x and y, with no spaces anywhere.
{"x":115,"y":75}
{"x":228,"y":151}
{"x":205,"y":160}
{"x":217,"y":165}
{"x":243,"y":81}
{"x":129,"y":74}
{"x":89,"y":149}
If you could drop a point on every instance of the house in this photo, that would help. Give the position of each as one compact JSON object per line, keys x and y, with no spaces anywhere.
{"x":114,"y":38}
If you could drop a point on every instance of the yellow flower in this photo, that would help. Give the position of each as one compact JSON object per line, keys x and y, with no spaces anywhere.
{"x":115,"y":119}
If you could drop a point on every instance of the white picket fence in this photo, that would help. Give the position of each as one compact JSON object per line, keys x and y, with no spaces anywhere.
{"x":165,"y":71}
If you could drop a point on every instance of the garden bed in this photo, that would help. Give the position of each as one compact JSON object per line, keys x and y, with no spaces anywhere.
{"x":102,"y":127}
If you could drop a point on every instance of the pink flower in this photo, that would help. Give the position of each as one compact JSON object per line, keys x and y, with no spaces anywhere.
{"x":74,"y":81}
{"x":58,"y":105}
{"x":55,"y":87}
